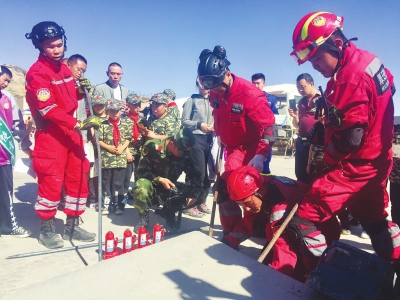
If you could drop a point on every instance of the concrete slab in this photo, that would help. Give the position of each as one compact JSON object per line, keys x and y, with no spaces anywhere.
{"x":191,"y":266}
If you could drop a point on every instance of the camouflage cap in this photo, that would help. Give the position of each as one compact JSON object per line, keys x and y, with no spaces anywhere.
{"x":185,"y":140}
{"x":133,"y":99}
{"x":159,"y":98}
{"x":114,"y":104}
{"x":98,"y":99}
{"x":170,"y":93}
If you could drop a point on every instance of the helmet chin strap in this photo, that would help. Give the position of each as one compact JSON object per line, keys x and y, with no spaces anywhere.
{"x":330,"y":45}
{"x":227,"y":86}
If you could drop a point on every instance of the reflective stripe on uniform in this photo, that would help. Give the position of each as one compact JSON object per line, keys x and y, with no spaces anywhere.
{"x":316,"y":244}
{"x":373,"y":67}
{"x":45,"y":110}
{"x":238,"y":235}
{"x":45,"y":204}
{"x":62,"y":80}
{"x":276,"y":216}
{"x":77,"y":204}
{"x":384,"y":242}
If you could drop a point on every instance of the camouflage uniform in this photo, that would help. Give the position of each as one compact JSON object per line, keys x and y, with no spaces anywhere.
{"x":134,"y":146}
{"x":93,"y":182}
{"x":113,"y":165}
{"x":167,"y":125}
{"x":157,"y":162}
{"x":394,"y":177}
{"x":172,"y":108}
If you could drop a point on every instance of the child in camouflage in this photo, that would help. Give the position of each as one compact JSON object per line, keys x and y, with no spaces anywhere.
{"x":99,"y":110}
{"x":132,"y":121}
{"x":114,"y":138}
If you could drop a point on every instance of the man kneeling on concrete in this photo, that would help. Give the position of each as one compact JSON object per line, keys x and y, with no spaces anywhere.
{"x":161,"y":164}
{"x":268,"y":197}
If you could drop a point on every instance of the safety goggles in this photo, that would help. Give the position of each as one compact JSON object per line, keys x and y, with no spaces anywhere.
{"x":208,"y":82}
{"x":303,"y":52}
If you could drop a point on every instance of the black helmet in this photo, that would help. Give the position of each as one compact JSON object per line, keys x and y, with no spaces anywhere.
{"x":212,"y":67}
{"x":46,"y":30}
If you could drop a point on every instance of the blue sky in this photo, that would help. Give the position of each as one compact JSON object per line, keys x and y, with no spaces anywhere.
{"x":158,"y":42}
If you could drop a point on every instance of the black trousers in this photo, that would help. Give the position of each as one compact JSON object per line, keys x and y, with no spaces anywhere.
{"x":130,"y":167}
{"x":93,"y":184}
{"x":301,"y":160}
{"x":200,"y":153}
{"x":113,"y":185}
{"x":7,"y":217}
{"x":395,"y":201}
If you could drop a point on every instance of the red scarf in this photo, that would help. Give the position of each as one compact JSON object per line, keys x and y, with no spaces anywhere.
{"x":135,"y":128}
{"x":116,"y":133}
{"x":172,"y":104}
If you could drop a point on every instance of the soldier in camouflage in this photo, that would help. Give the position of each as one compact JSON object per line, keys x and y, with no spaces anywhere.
{"x":172,"y":107}
{"x":114,"y":138}
{"x":161,"y":124}
{"x":161,"y":164}
{"x":132,"y":121}
{"x":99,"y":109}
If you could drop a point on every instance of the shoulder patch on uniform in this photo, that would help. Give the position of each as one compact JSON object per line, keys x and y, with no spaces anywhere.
{"x":381,"y":81}
{"x":237,"y":108}
{"x":285,"y":181}
{"x":43,"y":94}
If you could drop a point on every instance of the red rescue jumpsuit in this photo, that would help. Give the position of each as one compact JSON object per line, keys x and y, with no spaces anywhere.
{"x":241,"y":118}
{"x":362,"y":90}
{"x":58,"y":157}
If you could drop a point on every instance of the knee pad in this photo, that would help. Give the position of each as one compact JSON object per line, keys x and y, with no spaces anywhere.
{"x":298,"y":228}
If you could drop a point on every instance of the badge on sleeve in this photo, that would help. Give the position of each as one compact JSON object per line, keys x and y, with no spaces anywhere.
{"x":6,"y":106}
{"x":43,"y":95}
{"x":145,"y":151}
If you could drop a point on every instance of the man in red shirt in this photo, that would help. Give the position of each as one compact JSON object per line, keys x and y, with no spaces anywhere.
{"x":303,"y":119}
{"x":244,"y":123}
{"x":359,"y":129}
{"x":58,"y":157}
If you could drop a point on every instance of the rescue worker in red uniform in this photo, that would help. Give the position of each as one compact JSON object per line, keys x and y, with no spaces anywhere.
{"x":244,"y":123}
{"x":269,"y":197}
{"x":58,"y":156}
{"x":359,"y":128}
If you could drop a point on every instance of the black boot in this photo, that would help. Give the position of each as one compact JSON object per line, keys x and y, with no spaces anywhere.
{"x":143,"y":221}
{"x":74,"y":232}
{"x":48,"y":236}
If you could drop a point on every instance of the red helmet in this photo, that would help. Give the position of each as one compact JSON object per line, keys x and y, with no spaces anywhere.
{"x":311,"y":32}
{"x":243,"y":182}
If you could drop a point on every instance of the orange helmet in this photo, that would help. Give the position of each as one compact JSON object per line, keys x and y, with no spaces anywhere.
{"x":311,"y":32}
{"x":243,"y":182}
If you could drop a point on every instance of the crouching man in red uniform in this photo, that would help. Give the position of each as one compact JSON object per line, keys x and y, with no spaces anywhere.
{"x":269,"y":197}
{"x":359,"y":129}
{"x":244,"y":123}
{"x":58,"y":156}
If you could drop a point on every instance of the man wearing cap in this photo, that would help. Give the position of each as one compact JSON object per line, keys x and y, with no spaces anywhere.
{"x":132,"y":121}
{"x":161,"y":164}
{"x":244,"y":123}
{"x":114,"y":138}
{"x":99,"y":110}
{"x":161,"y":124}
{"x":172,"y":107}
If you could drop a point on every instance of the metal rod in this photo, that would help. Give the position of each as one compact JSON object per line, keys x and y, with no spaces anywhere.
{"x":37,"y":253}
{"x":99,"y":191}
{"x":216,"y":188}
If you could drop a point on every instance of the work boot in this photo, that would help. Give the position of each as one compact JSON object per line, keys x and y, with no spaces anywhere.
{"x":143,"y":221}
{"x":48,"y":236}
{"x":72,"y":231}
